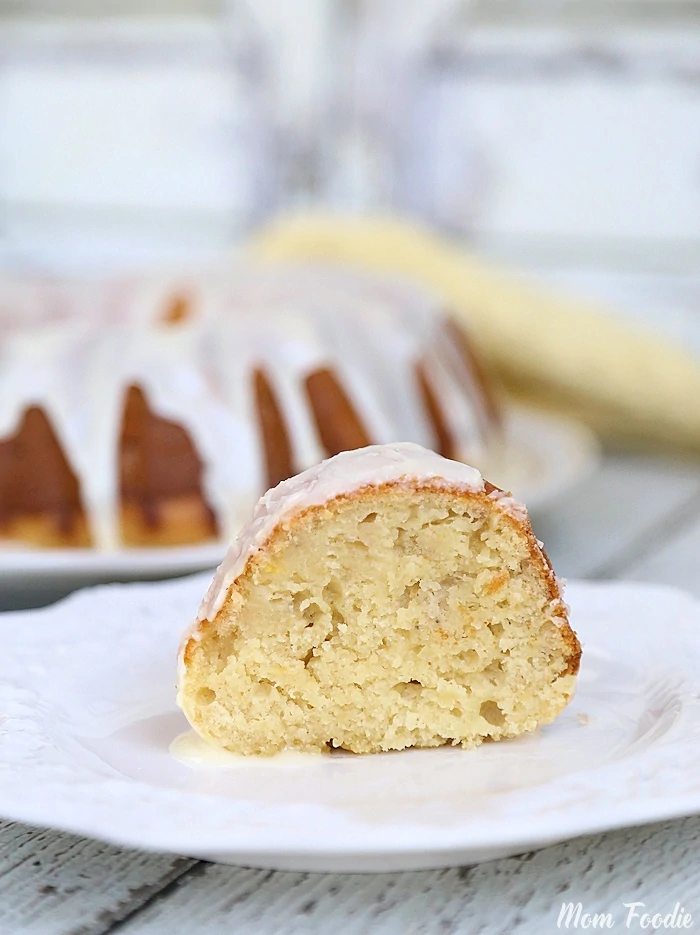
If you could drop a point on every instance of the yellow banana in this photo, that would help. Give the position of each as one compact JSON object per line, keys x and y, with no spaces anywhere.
{"x":564,"y":353}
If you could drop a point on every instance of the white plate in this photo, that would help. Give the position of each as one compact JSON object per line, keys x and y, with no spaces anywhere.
{"x":542,"y":457}
{"x":88,"y":714}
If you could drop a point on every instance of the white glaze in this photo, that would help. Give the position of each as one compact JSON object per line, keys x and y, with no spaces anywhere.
{"x":370,"y":331}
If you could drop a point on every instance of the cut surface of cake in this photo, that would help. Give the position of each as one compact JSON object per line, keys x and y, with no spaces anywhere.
{"x":384,"y":599}
{"x":163,"y":417}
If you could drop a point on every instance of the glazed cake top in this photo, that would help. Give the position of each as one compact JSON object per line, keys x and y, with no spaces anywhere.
{"x":342,"y":474}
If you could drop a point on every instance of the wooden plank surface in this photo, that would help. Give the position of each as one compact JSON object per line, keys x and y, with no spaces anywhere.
{"x":54,"y":884}
{"x":516,"y":895}
{"x":636,"y":518}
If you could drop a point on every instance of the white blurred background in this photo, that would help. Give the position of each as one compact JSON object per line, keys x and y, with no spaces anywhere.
{"x":562,"y":136}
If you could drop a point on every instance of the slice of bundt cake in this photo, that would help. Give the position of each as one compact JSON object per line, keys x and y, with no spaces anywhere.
{"x":386,"y":598}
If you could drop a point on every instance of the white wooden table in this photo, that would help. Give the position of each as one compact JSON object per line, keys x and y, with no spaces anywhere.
{"x":637,"y":518}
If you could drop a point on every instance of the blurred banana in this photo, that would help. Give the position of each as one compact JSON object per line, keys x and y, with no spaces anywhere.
{"x":563,"y":353}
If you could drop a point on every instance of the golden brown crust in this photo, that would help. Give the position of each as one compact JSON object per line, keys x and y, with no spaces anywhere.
{"x":540,"y":557}
{"x":162,"y":502}
{"x":185,"y":520}
{"x":181,"y":521}
{"x":520,"y":523}
{"x":157,"y":457}
{"x":39,"y":492}
{"x":276,"y":443}
{"x":337,"y":423}
{"x":178,"y":310}
{"x":475,"y":366}
{"x":444,"y":439}
{"x":42,"y":530}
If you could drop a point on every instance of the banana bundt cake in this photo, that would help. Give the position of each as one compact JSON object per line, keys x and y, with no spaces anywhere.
{"x":160,"y":417}
{"x":386,"y":598}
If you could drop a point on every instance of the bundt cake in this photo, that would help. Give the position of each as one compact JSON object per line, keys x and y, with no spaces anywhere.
{"x":161,"y":416}
{"x":386,"y":598}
